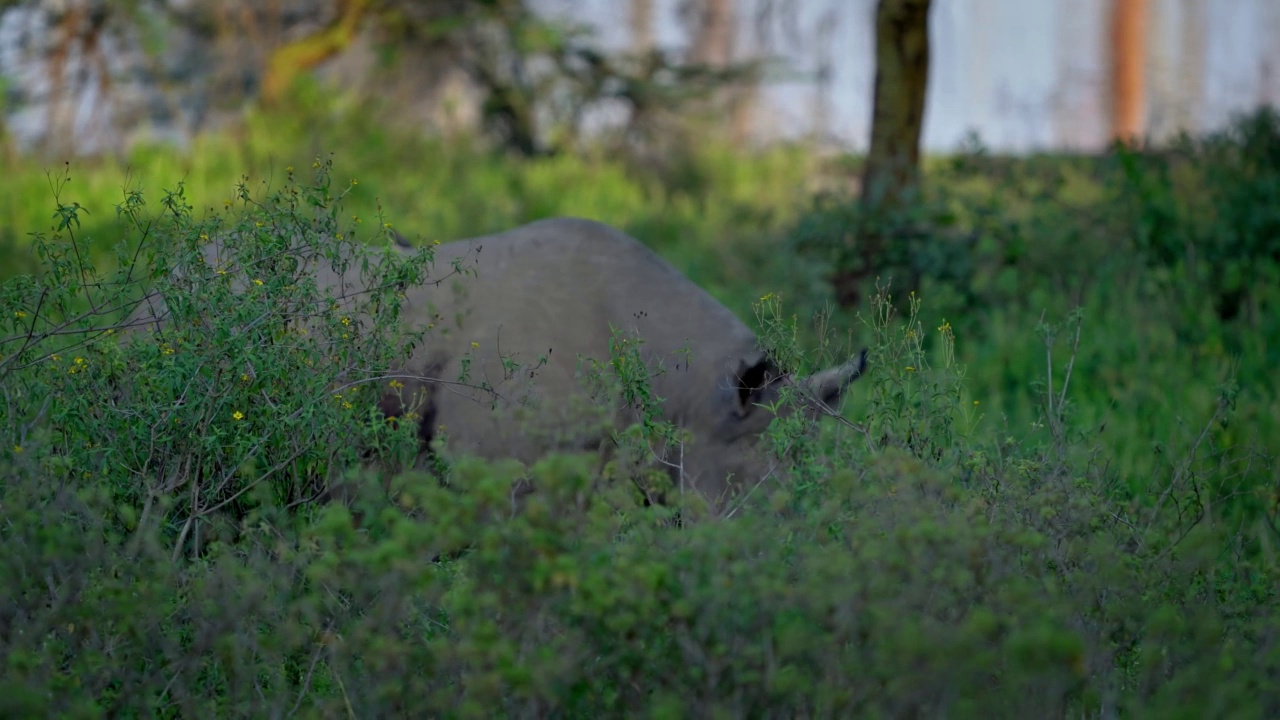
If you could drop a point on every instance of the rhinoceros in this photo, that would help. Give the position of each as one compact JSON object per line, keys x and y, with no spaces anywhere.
{"x":500,"y":372}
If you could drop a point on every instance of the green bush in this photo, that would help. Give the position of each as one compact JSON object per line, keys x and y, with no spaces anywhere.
{"x":926,"y":568}
{"x":1054,"y":494}
{"x":1167,"y":254}
{"x":258,"y":388}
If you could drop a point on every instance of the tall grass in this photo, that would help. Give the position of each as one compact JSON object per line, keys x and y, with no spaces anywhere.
{"x":1055,"y":494}
{"x":1148,"y":246}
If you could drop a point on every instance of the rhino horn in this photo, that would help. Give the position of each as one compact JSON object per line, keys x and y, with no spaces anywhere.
{"x":757,"y":377}
{"x":827,"y":386}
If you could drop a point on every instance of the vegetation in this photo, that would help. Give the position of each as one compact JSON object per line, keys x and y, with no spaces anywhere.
{"x":1057,"y":498}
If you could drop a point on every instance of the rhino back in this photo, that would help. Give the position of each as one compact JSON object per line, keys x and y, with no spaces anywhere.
{"x":554,"y":289}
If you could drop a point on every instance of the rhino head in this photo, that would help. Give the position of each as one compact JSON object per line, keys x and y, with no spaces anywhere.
{"x":726,"y":459}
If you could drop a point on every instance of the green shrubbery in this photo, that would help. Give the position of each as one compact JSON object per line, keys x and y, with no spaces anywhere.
{"x":257,"y":389}
{"x":1079,"y":523}
{"x":925,"y":573}
{"x":1166,"y":255}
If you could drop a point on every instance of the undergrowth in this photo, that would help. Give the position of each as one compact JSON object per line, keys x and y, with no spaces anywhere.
{"x":925,"y":560}
{"x":1054,"y":495}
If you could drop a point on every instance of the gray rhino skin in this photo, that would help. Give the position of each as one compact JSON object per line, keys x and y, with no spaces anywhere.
{"x":556,"y":289}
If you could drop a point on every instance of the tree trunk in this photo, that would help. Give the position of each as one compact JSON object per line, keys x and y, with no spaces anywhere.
{"x":640,"y":21}
{"x":891,"y":178}
{"x":713,"y":44}
{"x":1128,"y":61}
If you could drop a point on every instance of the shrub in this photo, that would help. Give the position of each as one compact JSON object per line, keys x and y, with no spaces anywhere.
{"x":931,"y":569}
{"x":1079,"y":523}
{"x":258,"y":389}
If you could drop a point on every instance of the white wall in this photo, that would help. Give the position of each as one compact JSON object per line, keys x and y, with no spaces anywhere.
{"x":1023,"y":74}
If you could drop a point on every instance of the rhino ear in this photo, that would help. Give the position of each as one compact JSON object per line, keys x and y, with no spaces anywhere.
{"x":755,"y":379}
{"x":827,"y":386}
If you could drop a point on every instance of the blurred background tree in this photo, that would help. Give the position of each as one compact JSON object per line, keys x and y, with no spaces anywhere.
{"x":891,"y":176}
{"x":529,"y":81}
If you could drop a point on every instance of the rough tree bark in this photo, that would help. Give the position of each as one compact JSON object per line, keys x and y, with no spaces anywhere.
{"x":1128,"y":65}
{"x":892,"y":174}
